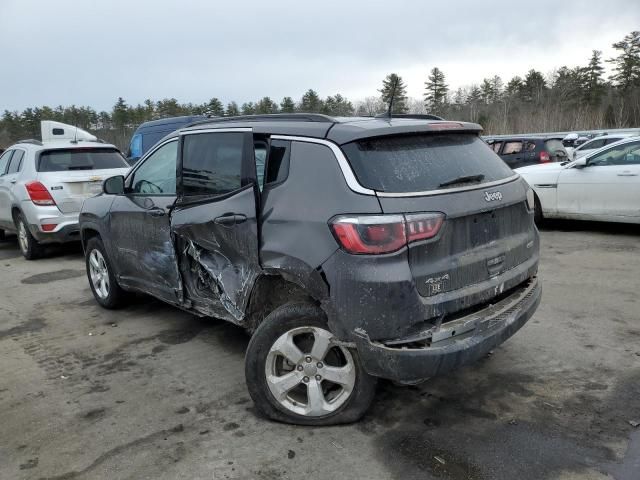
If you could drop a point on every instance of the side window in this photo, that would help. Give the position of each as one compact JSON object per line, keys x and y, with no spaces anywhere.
{"x":212,"y":163}
{"x":278,"y":162}
{"x":157,"y":175}
{"x":496,"y":146}
{"x":512,"y":147}
{"x":594,"y":144}
{"x":260,"y":153}
{"x":4,"y":161}
{"x":609,"y":141}
{"x":16,"y":162}
{"x":626,"y":154}
{"x":530,"y":146}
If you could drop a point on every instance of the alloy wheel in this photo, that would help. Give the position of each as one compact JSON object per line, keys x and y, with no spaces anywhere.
{"x":99,"y":273}
{"x":23,"y":239}
{"x":308,"y":374}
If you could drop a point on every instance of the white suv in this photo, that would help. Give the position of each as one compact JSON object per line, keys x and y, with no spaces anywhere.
{"x":43,"y":184}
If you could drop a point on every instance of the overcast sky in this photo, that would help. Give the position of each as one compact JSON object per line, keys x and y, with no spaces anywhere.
{"x":90,"y":52}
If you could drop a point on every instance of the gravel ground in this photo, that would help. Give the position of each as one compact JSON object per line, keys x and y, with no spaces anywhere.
{"x":153,"y":392}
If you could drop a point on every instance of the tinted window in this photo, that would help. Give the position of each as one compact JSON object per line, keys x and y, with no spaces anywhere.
{"x":419,"y":163}
{"x":512,"y":147}
{"x":278,"y":162}
{"x":16,"y":162}
{"x":4,"y":161}
{"x":530,"y":146}
{"x":212,"y":163}
{"x":610,"y":140}
{"x":626,"y":154}
{"x":594,"y":144}
{"x":554,"y":145}
{"x":260,"y":152}
{"x":80,"y":159}
{"x":496,"y":146}
{"x":157,"y":175}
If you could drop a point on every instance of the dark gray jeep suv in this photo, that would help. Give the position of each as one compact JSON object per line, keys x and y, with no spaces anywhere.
{"x":351,"y":249}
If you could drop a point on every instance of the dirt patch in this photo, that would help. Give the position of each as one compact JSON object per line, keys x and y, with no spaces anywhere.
{"x":52,"y":276}
{"x":30,"y":326}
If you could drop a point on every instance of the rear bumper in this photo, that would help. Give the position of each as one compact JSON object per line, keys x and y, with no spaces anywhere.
{"x":454,"y":344}
{"x":66,"y":227}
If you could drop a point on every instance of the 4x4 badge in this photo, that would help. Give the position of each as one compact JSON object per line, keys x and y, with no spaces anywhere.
{"x":491,"y":196}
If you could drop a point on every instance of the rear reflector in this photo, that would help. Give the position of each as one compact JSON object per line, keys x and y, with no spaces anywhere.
{"x":375,"y":234}
{"x":39,"y":194}
{"x":48,"y":227}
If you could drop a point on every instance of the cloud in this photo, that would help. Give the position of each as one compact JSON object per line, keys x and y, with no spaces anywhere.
{"x":89,"y":53}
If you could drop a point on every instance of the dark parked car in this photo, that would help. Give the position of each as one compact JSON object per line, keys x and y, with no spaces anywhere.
{"x":148,"y":134}
{"x":520,"y":151}
{"x":393,"y":248}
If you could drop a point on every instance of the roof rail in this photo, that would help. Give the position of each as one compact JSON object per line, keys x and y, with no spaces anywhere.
{"x":417,"y":116}
{"x":32,"y":141}
{"x":304,"y":117}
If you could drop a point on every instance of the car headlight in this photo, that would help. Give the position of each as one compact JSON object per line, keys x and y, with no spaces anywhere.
{"x":531,"y":202}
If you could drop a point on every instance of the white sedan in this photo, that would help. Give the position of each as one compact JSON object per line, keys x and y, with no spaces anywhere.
{"x":603,"y":185}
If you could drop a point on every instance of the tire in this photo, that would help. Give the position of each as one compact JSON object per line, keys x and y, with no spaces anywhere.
{"x":336,"y":403}
{"x":537,"y":215}
{"x":29,"y":246}
{"x":3,"y":237}
{"x":101,"y":276}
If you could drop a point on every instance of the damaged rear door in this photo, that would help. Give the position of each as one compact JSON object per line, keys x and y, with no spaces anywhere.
{"x":214,"y":224}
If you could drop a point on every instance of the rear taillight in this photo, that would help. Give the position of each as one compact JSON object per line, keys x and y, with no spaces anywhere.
{"x":544,"y":157}
{"x":39,"y":194}
{"x":374,"y":234}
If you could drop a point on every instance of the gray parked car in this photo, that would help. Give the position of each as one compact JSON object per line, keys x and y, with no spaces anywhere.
{"x":43,"y":185}
{"x":393,"y":248}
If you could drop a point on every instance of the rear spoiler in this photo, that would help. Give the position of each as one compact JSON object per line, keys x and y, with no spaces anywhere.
{"x":347,"y":133}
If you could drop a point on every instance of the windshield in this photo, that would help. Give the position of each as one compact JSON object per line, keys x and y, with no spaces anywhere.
{"x":80,"y":159}
{"x":417,"y":163}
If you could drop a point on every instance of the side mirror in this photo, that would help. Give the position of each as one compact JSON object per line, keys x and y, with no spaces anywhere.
{"x":580,"y":163}
{"x":114,"y":185}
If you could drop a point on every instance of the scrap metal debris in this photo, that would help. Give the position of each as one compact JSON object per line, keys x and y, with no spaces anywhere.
{"x":634,"y":424}
{"x":440,"y":459}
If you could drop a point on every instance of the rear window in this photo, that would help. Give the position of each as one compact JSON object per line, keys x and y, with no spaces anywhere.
{"x":554,"y":145}
{"x":80,"y":159}
{"x":418,"y":163}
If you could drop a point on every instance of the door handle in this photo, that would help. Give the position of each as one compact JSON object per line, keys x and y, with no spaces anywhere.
{"x":627,"y":174}
{"x":230,"y":219}
{"x":156,"y":212}
{"x":13,"y":180}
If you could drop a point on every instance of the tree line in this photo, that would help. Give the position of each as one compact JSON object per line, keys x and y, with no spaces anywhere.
{"x":568,"y":98}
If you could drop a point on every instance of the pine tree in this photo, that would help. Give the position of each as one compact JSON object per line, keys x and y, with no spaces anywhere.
{"x":232,"y":110}
{"x":394,"y":85}
{"x":436,"y":89}
{"x":266,"y":105}
{"x":120,"y":113}
{"x":214,"y":108}
{"x":627,"y":63}
{"x":311,"y":102}
{"x":534,"y":86}
{"x":515,"y":87}
{"x":287,"y":105}
{"x":248,"y":108}
{"x":594,"y":87}
{"x":337,"y":106}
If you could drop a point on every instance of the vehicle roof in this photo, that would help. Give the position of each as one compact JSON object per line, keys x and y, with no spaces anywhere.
{"x":162,"y":123}
{"x":340,"y":130}
{"x":504,"y":138}
{"x":36,"y":146}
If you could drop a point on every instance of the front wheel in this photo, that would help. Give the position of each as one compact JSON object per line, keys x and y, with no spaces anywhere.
{"x":101,"y":276}
{"x":297,"y":373}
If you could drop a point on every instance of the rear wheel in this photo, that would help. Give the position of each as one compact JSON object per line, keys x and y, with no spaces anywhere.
{"x":297,"y":374}
{"x":29,"y":246}
{"x":3,"y":237}
{"x":101,"y":276}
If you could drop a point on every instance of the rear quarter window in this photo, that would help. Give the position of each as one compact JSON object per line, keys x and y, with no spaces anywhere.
{"x":417,"y":163}
{"x":80,"y":159}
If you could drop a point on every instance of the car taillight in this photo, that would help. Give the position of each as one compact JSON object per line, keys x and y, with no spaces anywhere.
{"x":544,"y":157}
{"x":375,"y":234}
{"x":39,"y":194}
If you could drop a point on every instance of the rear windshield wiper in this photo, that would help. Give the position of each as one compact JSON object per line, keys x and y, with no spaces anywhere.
{"x":464,"y":179}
